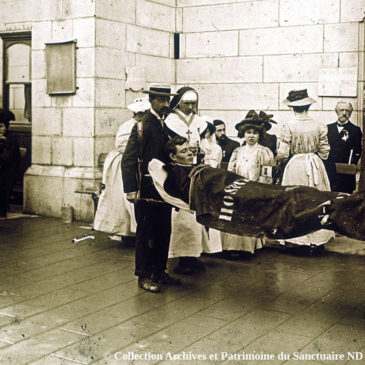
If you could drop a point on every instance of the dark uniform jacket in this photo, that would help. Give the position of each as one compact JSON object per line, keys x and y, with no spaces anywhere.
{"x":154,"y":138}
{"x":340,"y":153}
{"x":228,"y":146}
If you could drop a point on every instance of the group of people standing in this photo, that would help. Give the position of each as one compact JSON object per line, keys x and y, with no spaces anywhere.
{"x":305,"y":154}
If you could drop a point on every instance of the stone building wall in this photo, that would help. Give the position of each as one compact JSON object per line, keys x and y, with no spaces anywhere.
{"x":244,"y":55}
{"x":70,"y":132}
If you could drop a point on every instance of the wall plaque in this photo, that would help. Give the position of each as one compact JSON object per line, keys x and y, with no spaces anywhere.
{"x":61,"y":68}
{"x":337,"y":82}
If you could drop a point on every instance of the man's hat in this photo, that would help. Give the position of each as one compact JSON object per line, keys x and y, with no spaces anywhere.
{"x":266,"y":118}
{"x":298,"y":98}
{"x":251,"y":119}
{"x":159,"y":90}
{"x":139,"y":105}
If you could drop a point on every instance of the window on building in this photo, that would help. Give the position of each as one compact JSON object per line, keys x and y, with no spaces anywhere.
{"x":17,"y":89}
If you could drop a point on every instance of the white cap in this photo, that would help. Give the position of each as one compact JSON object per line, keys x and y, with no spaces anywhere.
{"x":190,"y":96}
{"x":139,"y":105}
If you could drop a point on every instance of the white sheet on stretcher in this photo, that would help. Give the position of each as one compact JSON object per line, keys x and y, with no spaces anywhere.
{"x":159,"y":175}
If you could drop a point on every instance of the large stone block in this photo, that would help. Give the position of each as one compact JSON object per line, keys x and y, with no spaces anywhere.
{"x":46,"y":121}
{"x":238,"y":96}
{"x":103,"y":145}
{"x":283,"y":40}
{"x":219,"y":70}
{"x":312,"y":89}
{"x":62,"y":151}
{"x":112,"y":63}
{"x":148,"y":41}
{"x":78,"y":122}
{"x":42,"y":194}
{"x":85,"y":94}
{"x":62,"y":101}
{"x":41,"y":34}
{"x":77,"y":8}
{"x":84,"y":32}
{"x":211,"y":44}
{"x":110,"y":34}
{"x":309,"y":12}
{"x":41,"y":150}
{"x":62,"y":30}
{"x":253,"y":14}
{"x":349,"y":59}
{"x":157,"y":68}
{"x":38,"y":65}
{"x":108,"y":120}
{"x":39,"y":96}
{"x":297,"y":67}
{"x":341,"y":37}
{"x":121,"y":11}
{"x":82,"y":204}
{"x":329,"y":104}
{"x":83,"y":152}
{"x":109,"y":93}
{"x":40,"y":10}
{"x":85,"y":62}
{"x":352,"y":10}
{"x":155,"y":16}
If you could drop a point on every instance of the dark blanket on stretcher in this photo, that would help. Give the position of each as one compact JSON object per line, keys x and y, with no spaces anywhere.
{"x":230,"y":203}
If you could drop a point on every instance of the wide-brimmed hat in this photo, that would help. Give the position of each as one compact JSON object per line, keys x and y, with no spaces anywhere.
{"x":266,"y":118}
{"x":159,"y":90}
{"x":185,"y":90}
{"x":251,"y":118}
{"x":298,"y":98}
{"x":139,"y":105}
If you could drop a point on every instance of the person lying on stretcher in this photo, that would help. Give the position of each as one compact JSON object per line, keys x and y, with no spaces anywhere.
{"x":228,"y":202}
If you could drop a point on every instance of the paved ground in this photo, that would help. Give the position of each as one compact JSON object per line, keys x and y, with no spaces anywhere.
{"x":66,"y":303}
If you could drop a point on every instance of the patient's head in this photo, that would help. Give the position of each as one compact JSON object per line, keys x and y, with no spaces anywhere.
{"x":178,"y":150}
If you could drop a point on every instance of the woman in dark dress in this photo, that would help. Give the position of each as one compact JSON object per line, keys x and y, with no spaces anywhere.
{"x":9,"y":160}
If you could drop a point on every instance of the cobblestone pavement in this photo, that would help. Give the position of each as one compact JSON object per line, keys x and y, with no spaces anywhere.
{"x":78,"y":303}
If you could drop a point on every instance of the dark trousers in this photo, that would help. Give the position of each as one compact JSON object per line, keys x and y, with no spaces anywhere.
{"x":152,"y":237}
{"x":5,"y":190}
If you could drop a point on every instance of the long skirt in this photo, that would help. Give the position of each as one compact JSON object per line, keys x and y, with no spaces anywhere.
{"x":189,"y":238}
{"x":115,"y":214}
{"x":308,"y":170}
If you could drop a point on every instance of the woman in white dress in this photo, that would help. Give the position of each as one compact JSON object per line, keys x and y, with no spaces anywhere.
{"x":304,"y":144}
{"x":254,"y":162}
{"x":115,"y":214}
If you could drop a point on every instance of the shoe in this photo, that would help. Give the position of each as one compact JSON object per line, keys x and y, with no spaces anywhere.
{"x":165,"y":278}
{"x":148,"y":284}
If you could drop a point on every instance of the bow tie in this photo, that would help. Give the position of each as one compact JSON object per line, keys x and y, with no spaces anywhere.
{"x":341,"y":125}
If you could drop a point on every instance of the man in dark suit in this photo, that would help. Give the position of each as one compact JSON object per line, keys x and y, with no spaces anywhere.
{"x":228,"y":145}
{"x":345,"y":141}
{"x":153,"y":216}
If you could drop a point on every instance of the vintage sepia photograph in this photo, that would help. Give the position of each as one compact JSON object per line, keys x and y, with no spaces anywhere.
{"x":182,"y":182}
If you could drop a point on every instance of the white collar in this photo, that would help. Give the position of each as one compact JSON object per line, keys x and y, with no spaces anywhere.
{"x":157,"y":116}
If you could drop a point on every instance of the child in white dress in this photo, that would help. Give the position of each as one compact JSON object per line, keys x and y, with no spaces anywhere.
{"x":254,"y":162}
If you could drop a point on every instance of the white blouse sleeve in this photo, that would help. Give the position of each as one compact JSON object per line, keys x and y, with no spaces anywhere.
{"x":233,"y":161}
{"x":324,"y":147}
{"x":284,"y":143}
